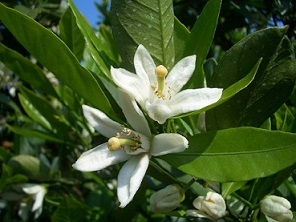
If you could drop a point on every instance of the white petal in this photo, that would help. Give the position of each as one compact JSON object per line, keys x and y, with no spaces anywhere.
{"x":159,"y":111}
{"x":193,"y":99}
{"x":144,"y":64}
{"x":133,"y":113}
{"x":39,"y":200}
{"x":197,"y":213}
{"x":168,"y":143}
{"x":31,"y":188}
{"x":98,"y":158}
{"x":101,"y":122}
{"x":130,"y":178}
{"x":137,"y":87}
{"x":181,"y":73}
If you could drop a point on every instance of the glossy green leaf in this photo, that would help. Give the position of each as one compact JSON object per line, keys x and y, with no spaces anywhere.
{"x":55,"y":56}
{"x":181,"y":35}
{"x":231,"y":90}
{"x":274,"y":88}
{"x":150,"y":23}
{"x":26,"y":70}
{"x":96,"y":46}
{"x":35,"y":133}
{"x":253,"y":105}
{"x":71,"y":34}
{"x":7,"y":178}
{"x":229,"y":188}
{"x":25,"y":164}
{"x":201,"y":37}
{"x":70,"y":210}
{"x":56,"y":123}
{"x":4,"y":99}
{"x":33,"y":113}
{"x":236,"y":154}
{"x":284,"y":119}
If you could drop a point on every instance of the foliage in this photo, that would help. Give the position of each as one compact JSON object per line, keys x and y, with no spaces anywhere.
{"x":243,"y":146}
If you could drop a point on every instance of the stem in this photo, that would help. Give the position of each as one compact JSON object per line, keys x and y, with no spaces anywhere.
{"x":188,"y":185}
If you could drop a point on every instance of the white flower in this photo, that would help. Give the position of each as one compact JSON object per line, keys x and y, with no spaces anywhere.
{"x":277,"y":208}
{"x":135,"y":147}
{"x":37,"y":193}
{"x":166,"y":199}
{"x":159,"y":96}
{"x":211,"y":206}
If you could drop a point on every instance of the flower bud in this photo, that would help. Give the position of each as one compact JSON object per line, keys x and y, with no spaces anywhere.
{"x":277,"y":208}
{"x":167,"y":199}
{"x":211,"y":206}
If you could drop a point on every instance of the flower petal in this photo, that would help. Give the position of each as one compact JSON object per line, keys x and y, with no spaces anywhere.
{"x":168,"y":143}
{"x":136,"y":86}
{"x":101,"y":122}
{"x":133,"y":113}
{"x":158,"y":110}
{"x":130,"y":178}
{"x":193,"y":99}
{"x":144,"y":64}
{"x":197,"y":213}
{"x":39,"y":200}
{"x":181,"y":73}
{"x":98,"y":158}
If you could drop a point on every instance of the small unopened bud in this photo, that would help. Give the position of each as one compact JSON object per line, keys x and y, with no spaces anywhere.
{"x":211,"y":206}
{"x":167,"y":199}
{"x":277,"y":208}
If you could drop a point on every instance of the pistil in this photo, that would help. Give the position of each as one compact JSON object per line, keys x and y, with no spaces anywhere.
{"x":115,"y":143}
{"x":161,"y":72}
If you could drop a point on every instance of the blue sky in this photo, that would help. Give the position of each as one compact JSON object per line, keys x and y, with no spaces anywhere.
{"x":89,"y":10}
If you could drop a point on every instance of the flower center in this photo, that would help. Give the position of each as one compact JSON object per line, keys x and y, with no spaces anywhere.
{"x":125,"y":138}
{"x":161,"y":72}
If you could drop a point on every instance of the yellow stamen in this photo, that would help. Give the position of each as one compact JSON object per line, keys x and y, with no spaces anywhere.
{"x":161,"y":72}
{"x":115,"y":143}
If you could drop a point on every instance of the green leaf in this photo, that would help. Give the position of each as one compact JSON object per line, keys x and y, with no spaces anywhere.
{"x":55,"y":56}
{"x":25,"y":164}
{"x":150,"y":23}
{"x":181,"y":35}
{"x":201,"y":37}
{"x":44,"y":111}
{"x":70,"y":210}
{"x":35,"y":133}
{"x":33,"y":113}
{"x":4,"y":99}
{"x":7,"y":178}
{"x":231,"y":90}
{"x":26,"y":70}
{"x":71,"y":34}
{"x":96,"y":46}
{"x":284,"y":119}
{"x":234,"y":65}
{"x":229,"y":188}
{"x":274,"y":88}
{"x":236,"y":154}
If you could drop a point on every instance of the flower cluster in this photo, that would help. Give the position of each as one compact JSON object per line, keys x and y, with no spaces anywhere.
{"x":160,"y":98}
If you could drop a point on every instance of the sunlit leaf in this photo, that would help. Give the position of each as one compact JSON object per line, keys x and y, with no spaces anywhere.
{"x":253,"y":105}
{"x":201,"y":37}
{"x":55,"y":56}
{"x":26,"y":70}
{"x":236,"y":154}
{"x":71,"y":34}
{"x":148,"y":23}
